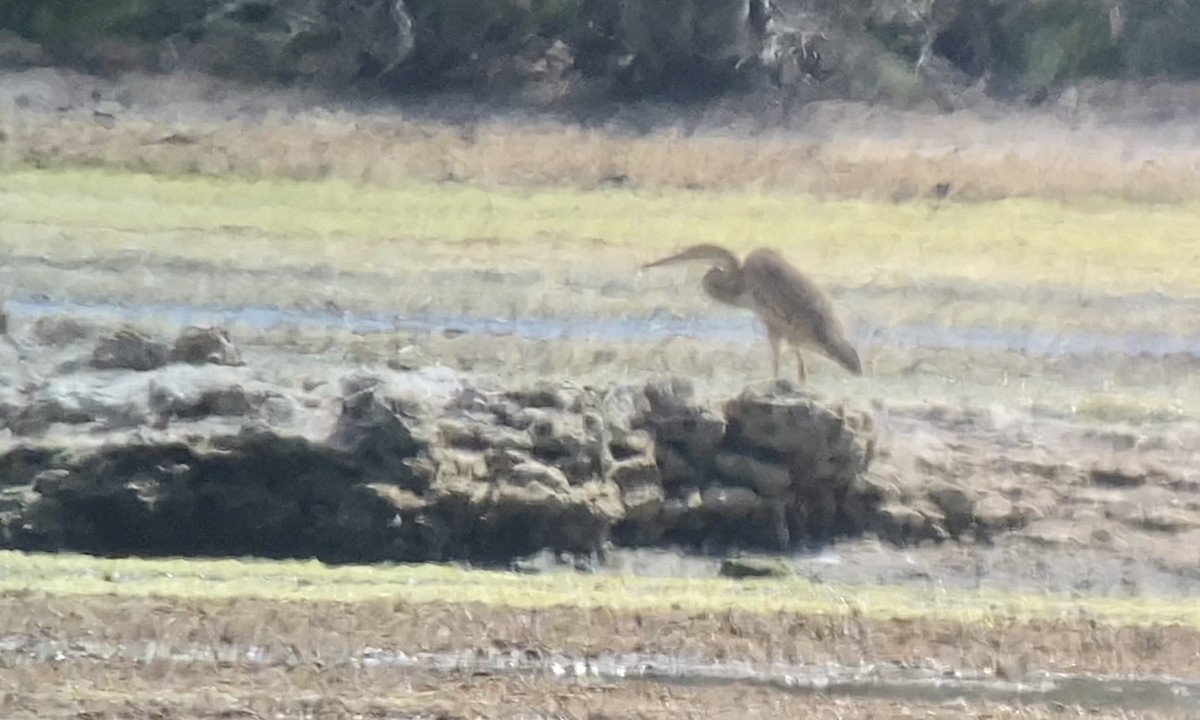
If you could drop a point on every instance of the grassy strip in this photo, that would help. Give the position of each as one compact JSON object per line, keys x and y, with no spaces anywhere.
{"x":313,"y":582}
{"x":849,"y":153}
{"x":1111,"y":246}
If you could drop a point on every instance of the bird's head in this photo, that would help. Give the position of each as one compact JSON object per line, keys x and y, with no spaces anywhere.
{"x":714,"y":254}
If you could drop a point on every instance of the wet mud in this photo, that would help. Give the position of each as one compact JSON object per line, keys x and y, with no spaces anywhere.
{"x":962,"y":669}
{"x":891,"y":682}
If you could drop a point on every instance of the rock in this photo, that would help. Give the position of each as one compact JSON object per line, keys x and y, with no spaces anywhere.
{"x":666,"y":397}
{"x":634,"y":472}
{"x":930,"y":454}
{"x":766,"y":479}
{"x":1127,"y":475}
{"x":667,"y":412}
{"x":729,"y":502}
{"x":1151,"y":508}
{"x":1054,"y":534}
{"x":787,"y":488}
{"x":473,"y":434}
{"x":375,"y":436}
{"x":403,"y":500}
{"x":699,"y":429}
{"x":785,"y":424}
{"x":641,"y":488}
{"x":674,"y":468}
{"x":128,"y":349}
{"x":673,"y":510}
{"x":80,"y":399}
{"x":237,"y":465}
{"x":618,"y":407}
{"x":499,"y":462}
{"x":198,"y":346}
{"x":956,"y":503}
{"x":14,"y":501}
{"x":531,"y":471}
{"x":196,"y":400}
{"x":520,"y":520}
{"x":633,"y":443}
{"x":409,"y":357}
{"x":49,"y":482}
{"x":994,"y":512}
{"x":556,"y":436}
{"x":741,"y":568}
{"x":453,"y":465}
{"x":59,"y":331}
{"x":562,"y":440}
{"x":547,"y":395}
{"x":643,"y":503}
{"x":904,"y":524}
{"x":1167,"y":520}
{"x":458,"y":432}
{"x":279,"y":410}
{"x":1027,"y":512}
{"x":822,"y":447}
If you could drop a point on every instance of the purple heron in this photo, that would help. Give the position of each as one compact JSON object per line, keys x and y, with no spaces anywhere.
{"x":789,"y":303}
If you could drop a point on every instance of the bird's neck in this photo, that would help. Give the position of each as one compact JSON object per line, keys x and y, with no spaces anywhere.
{"x":725,"y":285}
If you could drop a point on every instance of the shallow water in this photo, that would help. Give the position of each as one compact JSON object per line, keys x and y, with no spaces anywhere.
{"x":734,"y":328}
{"x":913,"y":683}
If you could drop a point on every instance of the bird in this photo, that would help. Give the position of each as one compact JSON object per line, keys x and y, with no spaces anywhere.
{"x":784,"y":299}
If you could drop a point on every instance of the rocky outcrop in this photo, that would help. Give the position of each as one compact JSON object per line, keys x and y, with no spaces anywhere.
{"x":128,"y":349}
{"x":774,"y":469}
{"x":152,"y":451}
{"x":199,"y":345}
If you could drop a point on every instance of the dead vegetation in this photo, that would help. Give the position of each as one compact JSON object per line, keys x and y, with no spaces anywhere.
{"x":191,"y":658}
{"x":74,"y":690}
{"x":849,"y":165}
{"x":335,"y":632}
{"x":52,"y":118}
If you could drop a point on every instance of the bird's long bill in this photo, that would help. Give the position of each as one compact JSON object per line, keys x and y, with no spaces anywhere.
{"x":666,"y":261}
{"x":696,"y":252}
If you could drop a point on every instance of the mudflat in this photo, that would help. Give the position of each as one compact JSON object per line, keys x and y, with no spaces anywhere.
{"x":1030,"y":342}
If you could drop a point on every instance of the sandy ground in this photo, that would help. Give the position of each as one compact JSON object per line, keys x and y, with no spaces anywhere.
{"x":1076,"y":426}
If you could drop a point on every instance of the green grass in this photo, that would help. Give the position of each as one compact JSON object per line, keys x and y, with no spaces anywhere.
{"x":1110,"y":246}
{"x":67,"y":575}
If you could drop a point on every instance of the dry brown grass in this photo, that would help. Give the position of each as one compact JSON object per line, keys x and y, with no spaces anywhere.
{"x":138,"y":692}
{"x":888,"y":155}
{"x":333,"y":632}
{"x":156,"y":658}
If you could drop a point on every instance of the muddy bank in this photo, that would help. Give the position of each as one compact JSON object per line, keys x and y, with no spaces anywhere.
{"x":217,"y":450}
{"x":144,"y":446}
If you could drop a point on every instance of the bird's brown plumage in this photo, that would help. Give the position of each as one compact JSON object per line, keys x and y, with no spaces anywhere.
{"x":790,"y":304}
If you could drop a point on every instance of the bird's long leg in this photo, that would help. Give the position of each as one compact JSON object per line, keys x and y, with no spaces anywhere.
{"x":775,"y":339}
{"x":803,"y":373}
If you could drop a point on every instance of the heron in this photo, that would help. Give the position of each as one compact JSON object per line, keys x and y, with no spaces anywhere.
{"x":784,"y":299}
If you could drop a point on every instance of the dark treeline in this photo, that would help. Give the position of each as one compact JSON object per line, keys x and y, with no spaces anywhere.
{"x":896,"y":49}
